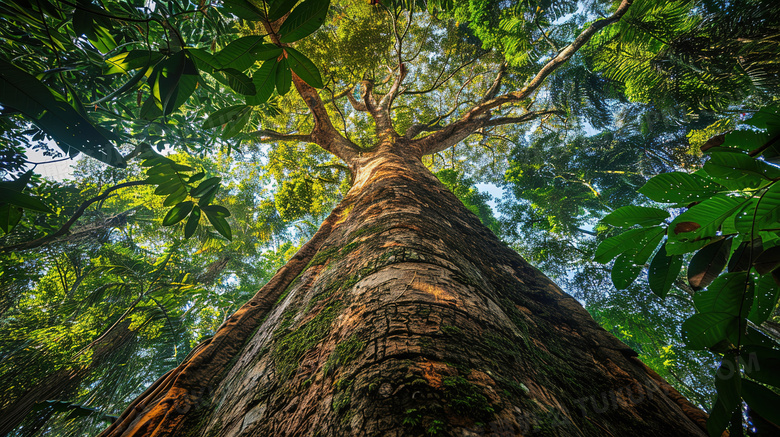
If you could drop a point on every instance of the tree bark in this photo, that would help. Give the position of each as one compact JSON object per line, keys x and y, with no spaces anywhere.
{"x":407,"y":317}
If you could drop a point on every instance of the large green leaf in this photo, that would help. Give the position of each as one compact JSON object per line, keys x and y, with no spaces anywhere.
{"x":761,"y":399}
{"x":177,"y":213}
{"x":243,"y":9}
{"x":220,"y":224}
{"x":277,"y":8}
{"x":26,"y":94}
{"x":704,"y":330}
{"x":737,"y":170}
{"x":762,"y":364}
{"x":768,"y":210}
{"x":283,"y":77}
{"x":624,"y":271}
{"x":265,"y":82}
{"x":205,"y":186}
{"x":767,"y":260}
{"x":233,"y":128}
{"x":767,"y":294}
{"x":708,"y":262}
{"x":22,"y":200}
{"x":731,"y":293}
{"x":718,"y":420}
{"x":679,"y":188}
{"x":705,"y":218}
{"x":192,"y":222}
{"x":304,"y":20}
{"x":663,"y":271}
{"x":728,"y":383}
{"x":244,"y":52}
{"x":131,"y":60}
{"x":304,"y":68}
{"x":224,"y":115}
{"x":175,"y":80}
{"x":614,"y":246}
{"x":239,"y":82}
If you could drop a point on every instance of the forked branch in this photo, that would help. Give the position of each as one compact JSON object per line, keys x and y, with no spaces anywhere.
{"x":461,"y":128}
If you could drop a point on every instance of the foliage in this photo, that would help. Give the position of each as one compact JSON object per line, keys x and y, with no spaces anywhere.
{"x":726,"y":214}
{"x":697,"y":54}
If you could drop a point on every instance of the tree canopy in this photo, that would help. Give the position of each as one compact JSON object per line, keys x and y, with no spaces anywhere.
{"x":218,"y":136}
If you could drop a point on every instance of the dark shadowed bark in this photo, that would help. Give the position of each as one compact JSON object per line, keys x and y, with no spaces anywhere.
{"x":406,"y":316}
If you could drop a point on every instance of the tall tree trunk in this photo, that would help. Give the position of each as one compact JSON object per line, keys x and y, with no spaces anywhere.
{"x":405,"y":316}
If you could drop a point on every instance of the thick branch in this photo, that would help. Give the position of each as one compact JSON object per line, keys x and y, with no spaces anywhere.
{"x":76,"y":215}
{"x":324,"y":133}
{"x":432,"y":143}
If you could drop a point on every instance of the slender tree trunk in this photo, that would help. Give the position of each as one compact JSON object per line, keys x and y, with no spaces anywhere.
{"x":405,"y":316}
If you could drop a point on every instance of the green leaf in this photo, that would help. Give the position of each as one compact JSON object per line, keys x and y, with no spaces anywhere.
{"x":175,"y":80}
{"x":744,"y":255}
{"x":168,"y":187}
{"x":239,"y":82}
{"x":304,"y":20}
{"x":761,"y":399}
{"x":705,"y":330}
{"x":244,"y":52}
{"x":20,"y":199}
{"x":708,"y":262}
{"x":737,"y":170}
{"x":663,"y":271}
{"x":631,"y":215}
{"x":234,"y":128}
{"x":278,"y":8}
{"x":177,"y":213}
{"x":208,"y":196}
{"x":729,"y":293}
{"x":204,"y":60}
{"x":705,"y":218}
{"x":283,"y":77}
{"x":220,"y":224}
{"x":768,"y":260}
{"x":745,"y":139}
{"x":624,"y":271}
{"x":718,"y":420}
{"x":217,"y":210}
{"x":304,"y":68}
{"x":679,"y":188}
{"x":131,"y":60}
{"x":614,"y":246}
{"x":9,"y":217}
{"x":728,"y":383}
{"x":24,"y":93}
{"x":766,"y":296}
{"x":243,"y":9}
{"x":762,"y":364}
{"x":224,"y":115}
{"x":768,"y":210}
{"x":265,"y":81}
{"x":192,"y":222}
{"x":177,"y":196}
{"x":205,"y":185}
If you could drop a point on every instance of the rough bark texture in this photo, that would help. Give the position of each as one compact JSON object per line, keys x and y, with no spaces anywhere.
{"x":414,"y":319}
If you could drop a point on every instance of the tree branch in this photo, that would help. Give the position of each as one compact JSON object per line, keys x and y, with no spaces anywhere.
{"x":324,"y":134}
{"x":434,"y":142}
{"x":272,"y":135}
{"x":76,"y":215}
